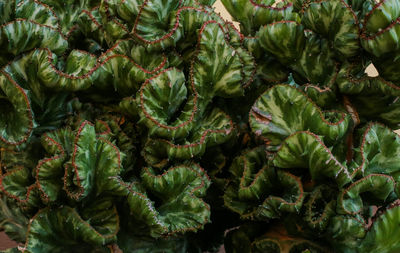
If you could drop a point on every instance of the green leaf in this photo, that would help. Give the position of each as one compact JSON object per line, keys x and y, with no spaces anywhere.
{"x":254,"y":185}
{"x":161,"y":100}
{"x":350,"y":200}
{"x":18,"y":185}
{"x":58,"y":230}
{"x":254,"y":14}
{"x":335,"y":21}
{"x":16,"y":117}
{"x":346,"y":232}
{"x":23,"y":35}
{"x":252,"y":180}
{"x":111,"y":71}
{"x":380,"y":34}
{"x":352,"y":80}
{"x":285,"y":40}
{"x":49,"y":170}
{"x":290,"y":200}
{"x":217,"y":68}
{"x":378,"y":150}
{"x":6,"y":11}
{"x":213,"y":129}
{"x":283,"y":110}
{"x":383,"y":236}
{"x":178,"y":191}
{"x":38,"y":12}
{"x":306,"y":150}
{"x":93,"y":162}
{"x":320,"y":207}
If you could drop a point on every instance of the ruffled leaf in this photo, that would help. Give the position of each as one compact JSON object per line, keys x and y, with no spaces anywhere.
{"x":319,"y":208}
{"x":253,"y":14}
{"x":378,"y":186}
{"x":285,"y":40}
{"x":161,"y":99}
{"x":217,"y":68}
{"x":179,"y":191}
{"x":252,"y":192}
{"x":65,"y":229}
{"x":306,"y":150}
{"x":383,"y":235}
{"x":18,"y":184}
{"x":335,"y":21}
{"x":378,"y":151}
{"x":16,"y":121}
{"x":14,"y":39}
{"x":49,"y":170}
{"x":381,"y":29}
{"x":214,"y":128}
{"x":284,"y":110}
{"x":94,"y":160}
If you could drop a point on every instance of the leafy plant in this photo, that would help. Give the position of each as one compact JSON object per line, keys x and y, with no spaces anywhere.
{"x":105,"y":115}
{"x":325,"y":176}
{"x":156,"y":126}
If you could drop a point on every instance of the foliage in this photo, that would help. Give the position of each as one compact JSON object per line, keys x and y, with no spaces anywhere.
{"x":325,"y":177}
{"x":156,"y":126}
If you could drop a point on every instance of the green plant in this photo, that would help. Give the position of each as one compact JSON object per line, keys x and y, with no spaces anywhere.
{"x":156,"y":126}
{"x":106,"y":108}
{"x":326,"y":176}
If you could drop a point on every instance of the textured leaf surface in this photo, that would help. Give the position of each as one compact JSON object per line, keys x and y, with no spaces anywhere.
{"x":78,"y":234}
{"x":306,"y":150}
{"x":252,"y":14}
{"x":179,"y":189}
{"x":383,"y":235}
{"x":284,"y":110}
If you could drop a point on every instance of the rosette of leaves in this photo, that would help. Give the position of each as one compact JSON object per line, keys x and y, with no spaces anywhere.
{"x":182,"y":128}
{"x":317,"y":127}
{"x":42,"y":64}
{"x":76,"y":197}
{"x":105,"y":116}
{"x":326,"y":47}
{"x":309,"y":179}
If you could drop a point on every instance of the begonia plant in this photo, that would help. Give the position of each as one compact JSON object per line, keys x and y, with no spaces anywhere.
{"x":323,"y":174}
{"x":157,"y":126}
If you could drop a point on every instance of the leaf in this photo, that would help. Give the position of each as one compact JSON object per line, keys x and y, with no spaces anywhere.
{"x":94,"y":160}
{"x":335,"y":21}
{"x":253,"y":193}
{"x":378,"y":150}
{"x":179,"y":191}
{"x":18,"y":185}
{"x":15,"y":127}
{"x":290,"y":200}
{"x":383,"y":236}
{"x":213,"y":129}
{"x":350,"y":201}
{"x":254,"y":14}
{"x":217,"y":67}
{"x":283,"y":110}
{"x":60,"y":229}
{"x":285,"y":40}
{"x":38,"y":12}
{"x":320,"y":207}
{"x":22,"y":35}
{"x":165,"y":107}
{"x":380,"y":33}
{"x":306,"y":150}
{"x":49,"y":170}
